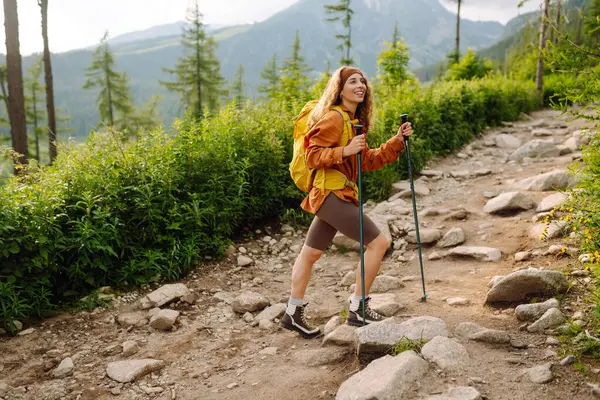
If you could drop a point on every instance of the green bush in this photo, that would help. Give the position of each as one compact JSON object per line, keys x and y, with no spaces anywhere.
{"x":119,"y":213}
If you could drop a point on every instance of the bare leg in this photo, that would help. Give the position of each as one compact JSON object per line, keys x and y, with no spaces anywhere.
{"x":373,"y":257}
{"x":302,"y":270}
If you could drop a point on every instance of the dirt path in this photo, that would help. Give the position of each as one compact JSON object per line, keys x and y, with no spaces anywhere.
{"x":212,"y":353}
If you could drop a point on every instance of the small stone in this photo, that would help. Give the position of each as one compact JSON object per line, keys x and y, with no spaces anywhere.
{"x":130,"y":347}
{"x":332,"y":324}
{"x":272,"y":312}
{"x":64,"y":369}
{"x":26,"y":332}
{"x":321,"y":356}
{"x":249,"y":302}
{"x":344,"y":335}
{"x":164,"y":319}
{"x":18,"y":325}
{"x":434,"y":256}
{"x":268,"y":351}
{"x":487,"y":254}
{"x":115,"y":391}
{"x":112,"y":350}
{"x":568,"y":360}
{"x":232,"y":385}
{"x":458,"y":301}
{"x":453,"y":237}
{"x":266,"y":325}
{"x":491,"y":336}
{"x":248,"y":318}
{"x":523,"y":256}
{"x":540,"y":374}
{"x":427,"y":235}
{"x":551,"y":319}
{"x":165,"y":295}
{"x":244,"y":261}
{"x":530,"y":312}
{"x":130,"y":370}
{"x":349,"y":278}
{"x":552,"y":341}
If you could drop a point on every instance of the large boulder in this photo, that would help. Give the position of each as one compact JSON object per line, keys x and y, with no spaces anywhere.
{"x":447,"y":354}
{"x":553,"y":180}
{"x":508,"y":202}
{"x":522,"y":284}
{"x":536,"y":148}
{"x":530,"y":312}
{"x":381,"y":336}
{"x":389,"y":378}
{"x":551,"y":201}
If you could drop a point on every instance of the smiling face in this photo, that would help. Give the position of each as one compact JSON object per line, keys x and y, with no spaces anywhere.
{"x":354,"y":90}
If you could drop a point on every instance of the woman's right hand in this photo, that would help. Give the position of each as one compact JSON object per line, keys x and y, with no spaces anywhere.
{"x":358,"y":144}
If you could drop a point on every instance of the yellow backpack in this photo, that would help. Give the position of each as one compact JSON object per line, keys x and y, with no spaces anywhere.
{"x":304,"y":177}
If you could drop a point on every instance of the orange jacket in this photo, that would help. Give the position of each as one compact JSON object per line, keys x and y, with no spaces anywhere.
{"x":323,"y":151}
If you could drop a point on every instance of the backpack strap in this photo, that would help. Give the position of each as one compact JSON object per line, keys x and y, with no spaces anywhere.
{"x":348,"y":124}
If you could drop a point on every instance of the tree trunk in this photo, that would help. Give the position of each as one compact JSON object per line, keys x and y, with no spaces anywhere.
{"x":111,"y":118}
{"x":458,"y":32}
{"x":540,"y":65}
{"x":579,"y":26}
{"x":35,"y":123}
{"x":49,"y":83}
{"x":349,"y":35}
{"x":16,"y":98}
{"x":558,"y":17}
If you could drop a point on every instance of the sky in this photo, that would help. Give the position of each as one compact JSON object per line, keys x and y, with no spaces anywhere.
{"x":75,"y":24}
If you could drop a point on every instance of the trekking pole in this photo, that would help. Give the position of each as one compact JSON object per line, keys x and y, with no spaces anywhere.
{"x":404,"y":118}
{"x":359,"y":131}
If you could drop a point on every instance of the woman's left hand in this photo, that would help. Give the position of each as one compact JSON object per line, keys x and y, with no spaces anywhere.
{"x":405,"y":130}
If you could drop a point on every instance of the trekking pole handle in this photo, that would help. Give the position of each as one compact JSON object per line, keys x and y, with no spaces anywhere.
{"x":404,"y":119}
{"x":359,"y":129}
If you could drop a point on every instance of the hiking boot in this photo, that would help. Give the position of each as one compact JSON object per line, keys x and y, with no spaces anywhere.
{"x":297,"y":322}
{"x":355,"y":318}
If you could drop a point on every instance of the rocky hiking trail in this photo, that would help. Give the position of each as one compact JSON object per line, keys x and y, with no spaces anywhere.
{"x":215,"y":335}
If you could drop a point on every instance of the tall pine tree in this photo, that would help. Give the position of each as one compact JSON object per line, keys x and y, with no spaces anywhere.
{"x":294,"y":81}
{"x":270,"y":74}
{"x":343,"y":12}
{"x":392,"y":62}
{"x":114,"y":99}
{"x":198,"y":78}
{"x":238,"y":88}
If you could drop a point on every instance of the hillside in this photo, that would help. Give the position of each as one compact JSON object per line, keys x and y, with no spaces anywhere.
{"x":426,"y":25}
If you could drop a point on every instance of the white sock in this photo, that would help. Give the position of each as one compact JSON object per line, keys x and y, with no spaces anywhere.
{"x":292,"y":303}
{"x":355,"y":302}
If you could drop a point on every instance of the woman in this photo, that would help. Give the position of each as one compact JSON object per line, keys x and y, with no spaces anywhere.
{"x":337,"y":210}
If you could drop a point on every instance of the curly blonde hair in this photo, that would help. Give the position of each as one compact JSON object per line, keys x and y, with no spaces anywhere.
{"x":331,"y":97}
